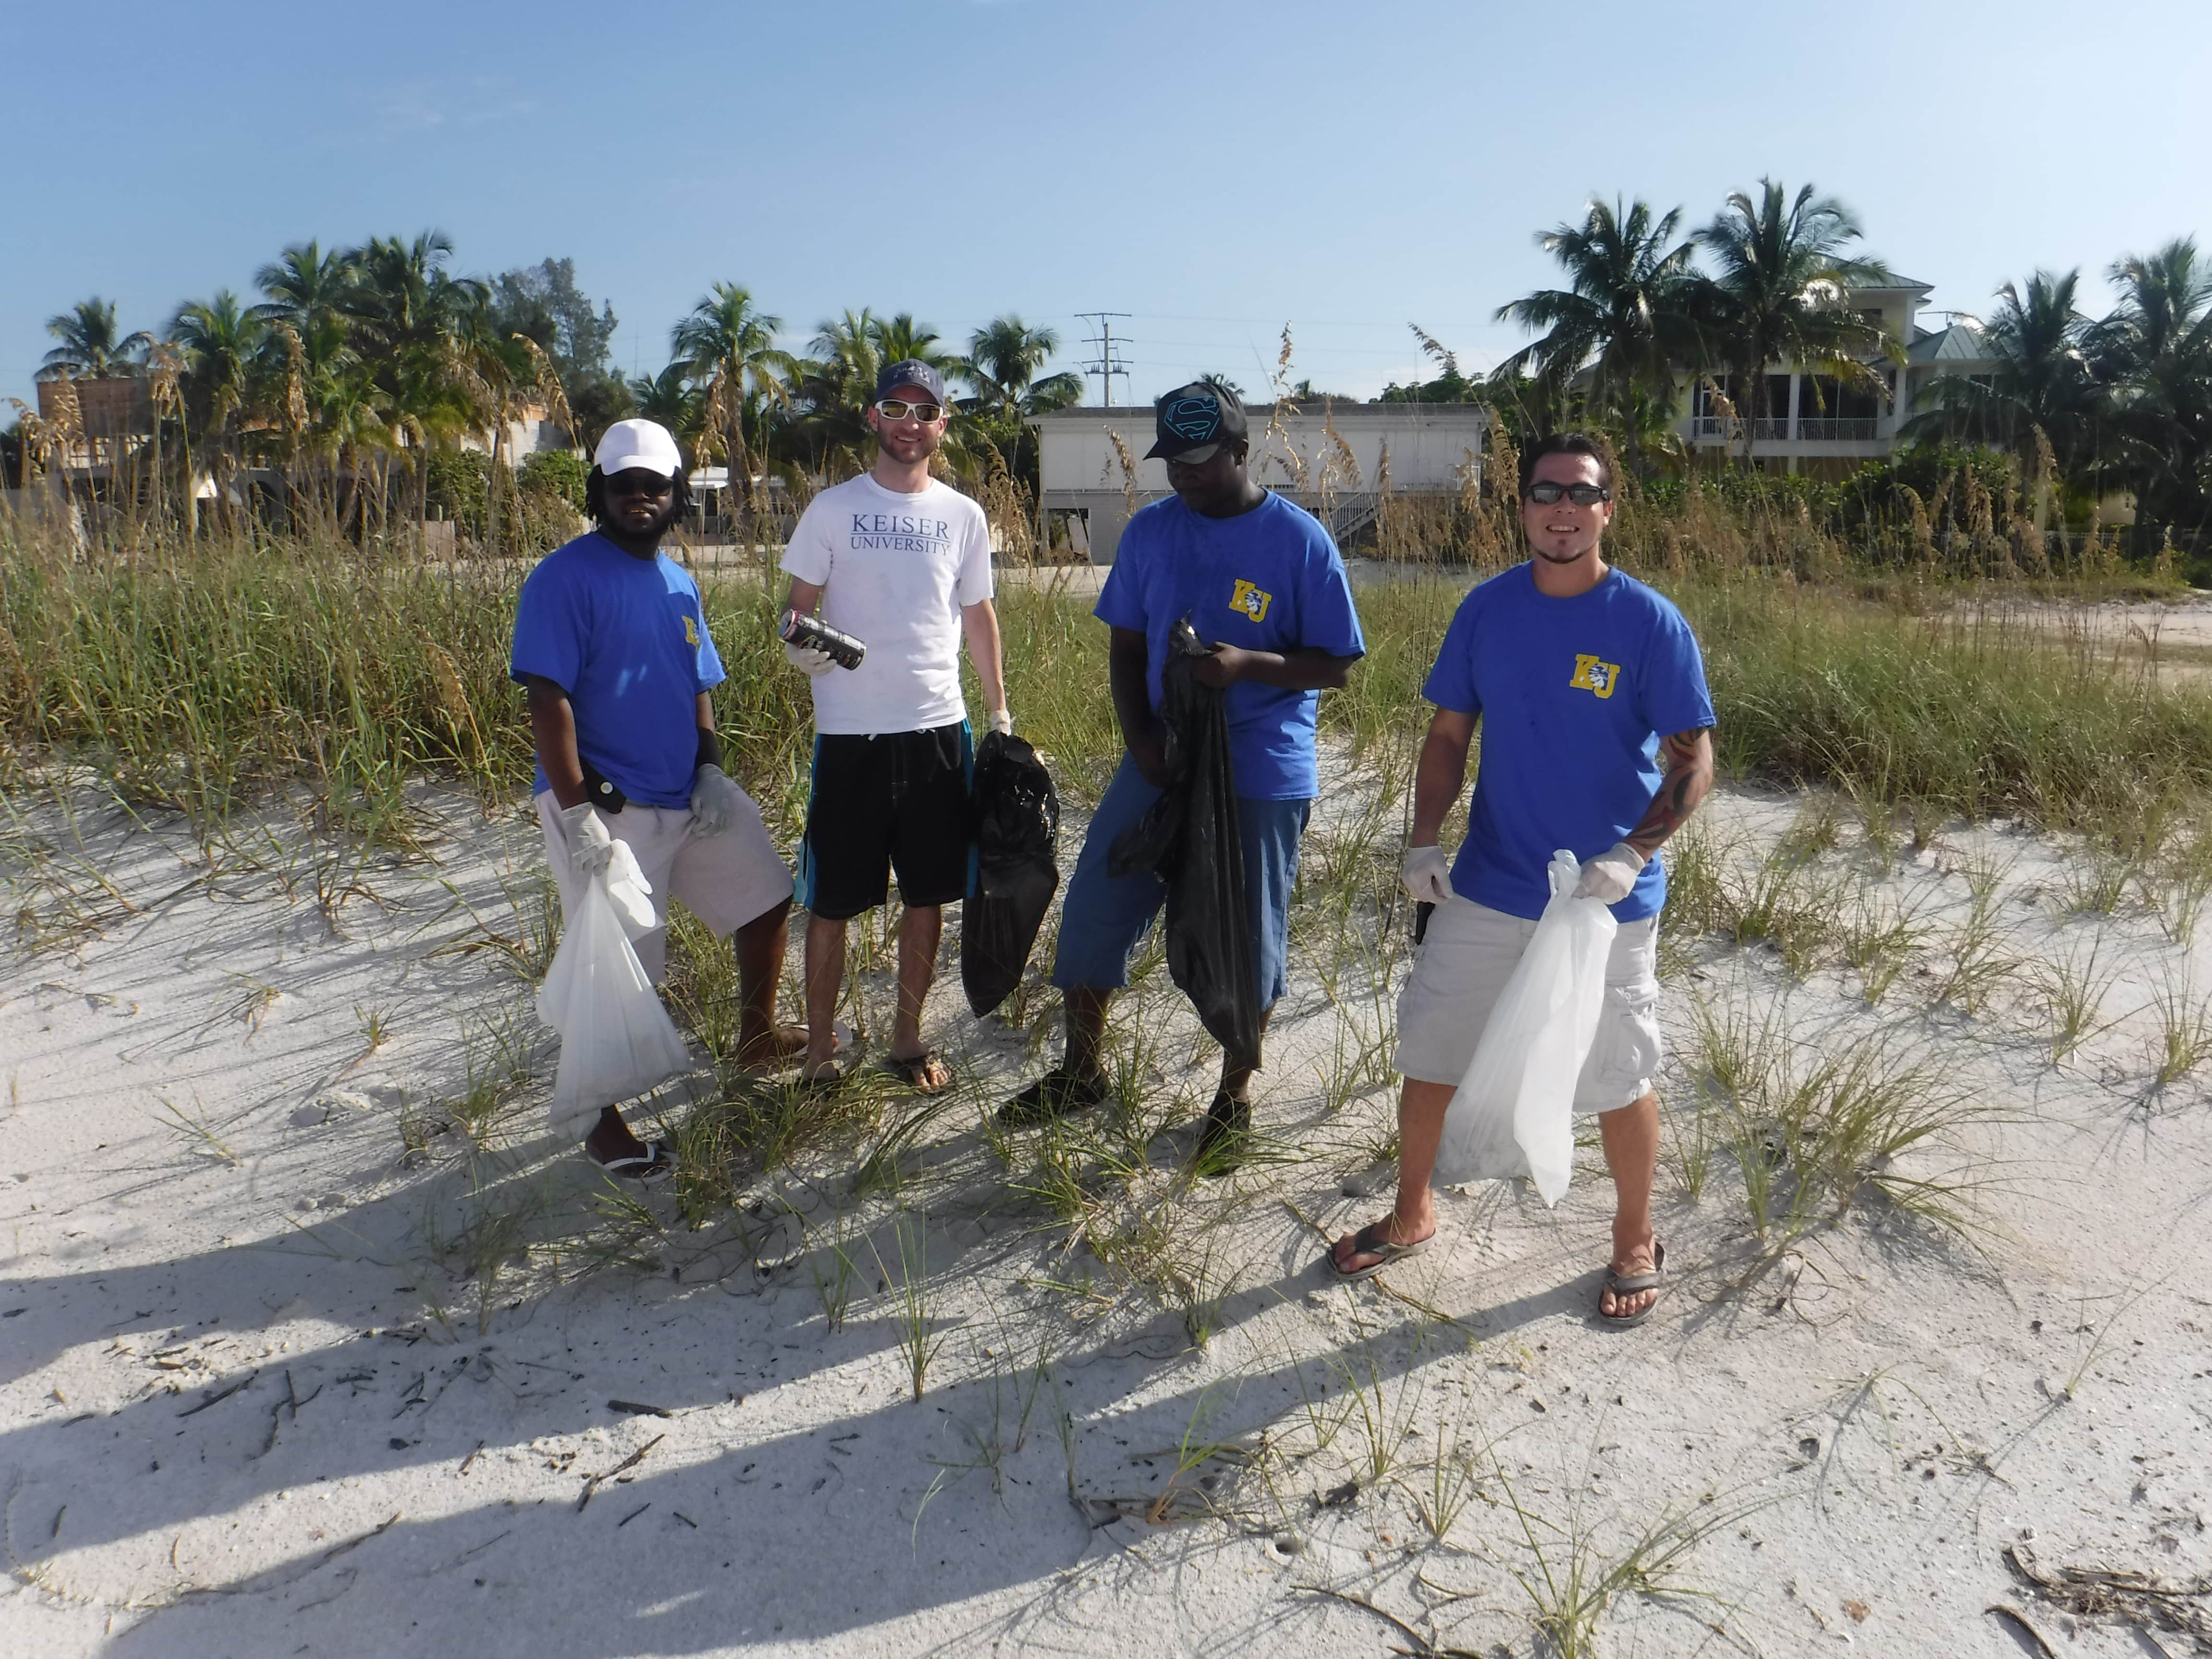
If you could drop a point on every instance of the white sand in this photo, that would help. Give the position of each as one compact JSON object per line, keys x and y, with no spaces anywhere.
{"x":1888,"y":1410}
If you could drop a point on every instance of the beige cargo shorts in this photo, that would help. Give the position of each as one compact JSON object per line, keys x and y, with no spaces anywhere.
{"x":1465,"y":958}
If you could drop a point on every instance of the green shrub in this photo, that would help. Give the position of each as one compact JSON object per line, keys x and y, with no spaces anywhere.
{"x":457,"y":485}
{"x":557,"y":472}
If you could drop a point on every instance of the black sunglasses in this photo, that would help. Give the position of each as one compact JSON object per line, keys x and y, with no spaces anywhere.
{"x":1545,"y":492}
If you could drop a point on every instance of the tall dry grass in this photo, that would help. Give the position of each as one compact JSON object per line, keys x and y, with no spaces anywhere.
{"x":223,"y":670}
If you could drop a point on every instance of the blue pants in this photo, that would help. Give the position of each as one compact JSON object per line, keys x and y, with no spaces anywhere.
{"x":1105,"y":917}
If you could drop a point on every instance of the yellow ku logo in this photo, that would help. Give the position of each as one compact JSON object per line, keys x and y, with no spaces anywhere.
{"x":1251,"y":600}
{"x":1593,"y":676}
{"x":690,"y":632}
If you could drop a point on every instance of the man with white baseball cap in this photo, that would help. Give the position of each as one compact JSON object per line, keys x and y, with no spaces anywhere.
{"x":611,"y":644}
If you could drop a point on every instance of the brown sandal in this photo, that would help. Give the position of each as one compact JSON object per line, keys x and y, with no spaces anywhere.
{"x":1627,"y":1285}
{"x":1374,"y":1239}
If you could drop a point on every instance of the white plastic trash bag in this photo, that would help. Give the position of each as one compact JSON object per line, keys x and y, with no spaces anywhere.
{"x":617,"y":1040}
{"x":628,"y":891}
{"x":1513,"y":1113}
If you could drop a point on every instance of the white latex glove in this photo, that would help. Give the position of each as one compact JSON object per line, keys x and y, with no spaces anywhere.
{"x":1427,"y":874}
{"x":1002,"y":722}
{"x":1611,"y":874}
{"x":714,"y":800}
{"x":590,"y":845}
{"x":809,"y":659}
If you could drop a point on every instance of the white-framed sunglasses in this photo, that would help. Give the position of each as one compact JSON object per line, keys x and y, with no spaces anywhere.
{"x":897,"y":409}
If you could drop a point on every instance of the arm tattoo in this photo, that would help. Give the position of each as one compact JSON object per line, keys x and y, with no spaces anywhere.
{"x":1689,"y":780}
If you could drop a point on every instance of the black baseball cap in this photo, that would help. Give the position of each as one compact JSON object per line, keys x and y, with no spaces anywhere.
{"x":910,"y":371}
{"x":1193,"y":416}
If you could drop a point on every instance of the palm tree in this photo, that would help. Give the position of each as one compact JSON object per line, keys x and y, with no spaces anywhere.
{"x":307,"y":288}
{"x":220,"y":342}
{"x":1001,"y":368}
{"x":1628,"y":315}
{"x":1003,"y":359}
{"x":2155,"y":350}
{"x":834,"y":382}
{"x":900,"y":338}
{"x":351,"y":423}
{"x":670,"y":398}
{"x":2042,"y":379}
{"x":308,"y":337}
{"x":727,"y":346}
{"x":89,"y":347}
{"x":499,"y":373}
{"x":1779,"y":294}
{"x":409,"y":318}
{"x":402,"y":293}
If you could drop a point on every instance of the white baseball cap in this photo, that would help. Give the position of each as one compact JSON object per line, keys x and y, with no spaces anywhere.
{"x":645,"y":444}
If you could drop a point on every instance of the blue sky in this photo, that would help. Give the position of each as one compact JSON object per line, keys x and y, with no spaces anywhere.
{"x":1215,"y":170}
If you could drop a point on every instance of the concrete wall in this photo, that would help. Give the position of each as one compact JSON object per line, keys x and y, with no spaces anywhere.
{"x":1431,"y":449}
{"x":532,"y":434}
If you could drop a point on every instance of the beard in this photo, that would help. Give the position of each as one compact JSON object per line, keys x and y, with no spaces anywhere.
{"x":920,"y":446}
{"x":661,"y":525}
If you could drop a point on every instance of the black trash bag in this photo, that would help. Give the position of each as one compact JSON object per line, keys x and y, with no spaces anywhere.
{"x":1017,"y":833}
{"x":1189,"y":839}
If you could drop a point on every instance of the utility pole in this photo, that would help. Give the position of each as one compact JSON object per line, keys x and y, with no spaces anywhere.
{"x":1105,"y":365}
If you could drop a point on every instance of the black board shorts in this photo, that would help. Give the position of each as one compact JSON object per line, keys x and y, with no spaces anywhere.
{"x":895,"y":801}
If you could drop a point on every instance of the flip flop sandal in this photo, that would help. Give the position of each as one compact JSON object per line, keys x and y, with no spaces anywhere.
{"x":1374,"y":1239}
{"x":655,"y":1164}
{"x":913,"y":1071}
{"x":1624,"y":1284}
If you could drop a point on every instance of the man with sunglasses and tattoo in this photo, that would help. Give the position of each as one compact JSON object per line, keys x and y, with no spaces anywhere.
{"x":903,"y":564}
{"x":1596,"y":738}
{"x":1259,"y":578}
{"x":612,"y":649}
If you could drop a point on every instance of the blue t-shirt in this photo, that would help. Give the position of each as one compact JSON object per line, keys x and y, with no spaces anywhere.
{"x":1574,"y":696}
{"x":1269,"y":579}
{"x":626,"y":639}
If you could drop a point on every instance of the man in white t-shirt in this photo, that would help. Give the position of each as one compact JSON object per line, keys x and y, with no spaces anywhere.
{"x":903,"y":564}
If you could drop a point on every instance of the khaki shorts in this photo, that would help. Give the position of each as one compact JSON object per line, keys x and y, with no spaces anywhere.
{"x":1462,"y":965}
{"x":725,"y":880}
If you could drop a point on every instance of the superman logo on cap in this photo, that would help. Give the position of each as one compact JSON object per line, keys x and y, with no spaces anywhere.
{"x":1193,"y":419}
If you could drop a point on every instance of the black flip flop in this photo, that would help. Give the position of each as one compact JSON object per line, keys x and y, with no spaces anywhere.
{"x":1374,"y":1239}
{"x":913,"y":1071}
{"x":1624,"y":1284}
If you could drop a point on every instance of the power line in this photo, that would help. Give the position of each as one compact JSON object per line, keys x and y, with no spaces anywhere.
{"x":1105,"y":365}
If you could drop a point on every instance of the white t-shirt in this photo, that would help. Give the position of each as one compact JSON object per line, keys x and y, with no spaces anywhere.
{"x":894,"y":571}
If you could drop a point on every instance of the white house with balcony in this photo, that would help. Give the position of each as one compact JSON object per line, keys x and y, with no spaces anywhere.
{"x":1815,"y":424}
{"x":1336,"y":460}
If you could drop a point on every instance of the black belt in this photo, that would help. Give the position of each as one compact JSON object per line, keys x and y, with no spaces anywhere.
{"x":598,"y":791}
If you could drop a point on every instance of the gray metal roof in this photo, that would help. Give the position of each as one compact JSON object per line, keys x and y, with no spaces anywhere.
{"x":1961,"y":343}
